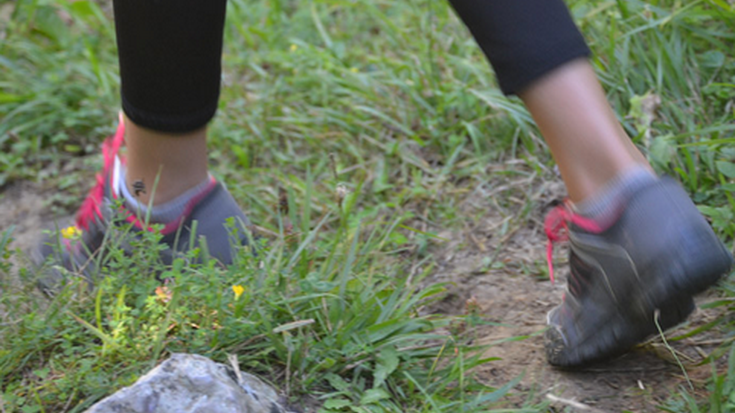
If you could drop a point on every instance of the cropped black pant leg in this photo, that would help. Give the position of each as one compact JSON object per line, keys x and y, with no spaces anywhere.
{"x":170,"y":52}
{"x":170,"y":61}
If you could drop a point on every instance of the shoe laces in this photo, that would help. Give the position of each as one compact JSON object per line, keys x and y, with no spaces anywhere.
{"x":556,"y":226}
{"x":91,"y":207}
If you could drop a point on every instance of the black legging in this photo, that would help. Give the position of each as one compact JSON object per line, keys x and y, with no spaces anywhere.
{"x":170,"y":52}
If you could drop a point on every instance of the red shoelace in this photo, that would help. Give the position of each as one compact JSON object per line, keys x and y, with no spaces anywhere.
{"x":90,"y":208}
{"x":556,"y":226}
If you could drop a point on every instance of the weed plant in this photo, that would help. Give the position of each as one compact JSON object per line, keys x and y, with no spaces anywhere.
{"x":328,"y":317}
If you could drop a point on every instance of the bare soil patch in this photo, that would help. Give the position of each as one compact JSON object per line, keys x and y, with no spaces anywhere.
{"x":23,"y":208}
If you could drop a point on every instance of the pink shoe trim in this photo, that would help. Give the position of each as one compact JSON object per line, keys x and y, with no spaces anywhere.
{"x":556,"y":226}
{"x":91,"y":207}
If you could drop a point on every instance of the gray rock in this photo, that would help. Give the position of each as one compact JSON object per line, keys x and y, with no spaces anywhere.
{"x":189,"y":383}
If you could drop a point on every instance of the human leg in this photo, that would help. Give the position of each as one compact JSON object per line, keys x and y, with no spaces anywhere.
{"x":170,"y":53}
{"x":638,"y":243}
{"x":583,"y":134}
{"x":539,"y":55}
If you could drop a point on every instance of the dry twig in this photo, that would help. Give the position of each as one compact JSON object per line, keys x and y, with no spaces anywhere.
{"x":572,"y":403}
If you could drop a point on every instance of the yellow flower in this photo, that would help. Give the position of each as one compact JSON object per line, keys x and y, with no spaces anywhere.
{"x":71,"y":232}
{"x":293,"y":48}
{"x":238,"y":290}
{"x":354,"y":70}
{"x":163,"y":294}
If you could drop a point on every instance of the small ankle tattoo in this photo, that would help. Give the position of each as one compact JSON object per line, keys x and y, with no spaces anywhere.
{"x":138,"y":187}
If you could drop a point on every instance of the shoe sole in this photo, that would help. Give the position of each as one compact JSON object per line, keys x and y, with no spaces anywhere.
{"x":619,"y":337}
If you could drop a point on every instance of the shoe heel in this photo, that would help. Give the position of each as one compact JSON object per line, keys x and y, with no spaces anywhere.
{"x":704,"y":260}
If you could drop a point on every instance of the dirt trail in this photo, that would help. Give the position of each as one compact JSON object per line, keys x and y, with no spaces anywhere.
{"x":495,"y":259}
{"x":23,"y":207}
{"x":511,"y":296}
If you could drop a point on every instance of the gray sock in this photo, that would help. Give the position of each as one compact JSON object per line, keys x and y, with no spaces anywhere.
{"x":608,"y":200}
{"x":164,"y":213}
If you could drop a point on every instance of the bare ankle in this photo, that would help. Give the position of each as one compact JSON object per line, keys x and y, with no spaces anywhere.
{"x":162,"y":166}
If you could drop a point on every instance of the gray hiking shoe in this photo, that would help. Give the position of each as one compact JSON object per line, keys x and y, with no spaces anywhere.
{"x":102,"y":221}
{"x":645,"y":266}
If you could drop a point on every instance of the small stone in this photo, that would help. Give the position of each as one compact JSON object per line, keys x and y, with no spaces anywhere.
{"x":189,"y":383}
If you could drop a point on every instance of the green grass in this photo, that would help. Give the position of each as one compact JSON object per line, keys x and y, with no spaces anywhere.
{"x":321,"y":318}
{"x":394,"y":102}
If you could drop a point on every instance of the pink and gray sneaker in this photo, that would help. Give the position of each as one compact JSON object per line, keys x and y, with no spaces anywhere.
{"x":102,"y":220}
{"x":642,"y":268}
